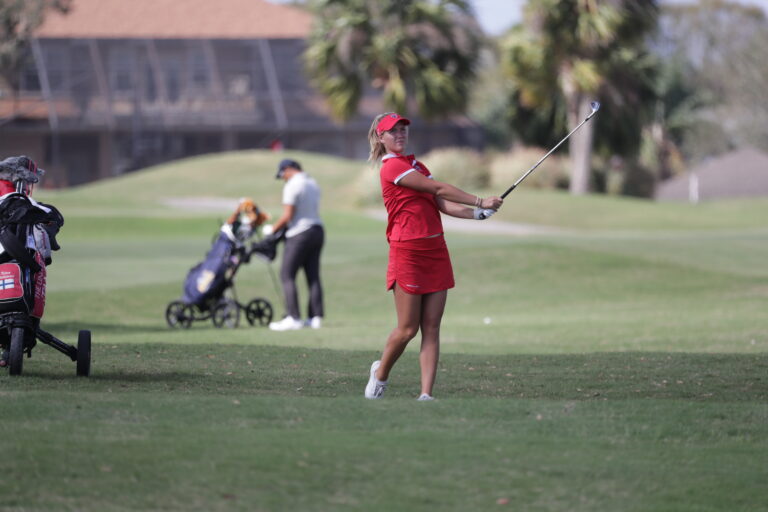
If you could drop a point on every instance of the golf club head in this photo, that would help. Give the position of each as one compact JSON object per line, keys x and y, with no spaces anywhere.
{"x":595,"y":107}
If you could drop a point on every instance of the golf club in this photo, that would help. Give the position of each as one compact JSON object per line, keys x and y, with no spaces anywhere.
{"x":595,"y":107}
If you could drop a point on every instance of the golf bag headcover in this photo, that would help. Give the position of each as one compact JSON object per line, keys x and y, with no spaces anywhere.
{"x":21,"y":216}
{"x":247,"y":215}
{"x":18,"y":168}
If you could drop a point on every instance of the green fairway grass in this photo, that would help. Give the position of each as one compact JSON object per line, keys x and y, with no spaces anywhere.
{"x":619,"y":363}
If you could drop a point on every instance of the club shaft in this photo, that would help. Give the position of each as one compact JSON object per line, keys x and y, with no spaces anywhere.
{"x":510,"y":189}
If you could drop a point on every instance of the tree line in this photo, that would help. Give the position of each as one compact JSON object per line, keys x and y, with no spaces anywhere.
{"x":678,"y":83}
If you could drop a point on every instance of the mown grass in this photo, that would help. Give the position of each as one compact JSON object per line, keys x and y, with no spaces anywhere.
{"x":619,"y":365}
{"x":167,"y":426}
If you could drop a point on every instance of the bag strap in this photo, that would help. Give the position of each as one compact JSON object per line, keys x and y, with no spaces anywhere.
{"x":17,"y":250}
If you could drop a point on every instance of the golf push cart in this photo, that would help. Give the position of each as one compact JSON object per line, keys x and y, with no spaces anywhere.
{"x":209,"y":288}
{"x":27,"y":236}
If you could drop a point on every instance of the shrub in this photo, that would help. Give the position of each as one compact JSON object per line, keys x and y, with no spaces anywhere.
{"x":638,"y":181}
{"x":464,"y":168}
{"x":506,"y":168}
{"x":368,"y":186}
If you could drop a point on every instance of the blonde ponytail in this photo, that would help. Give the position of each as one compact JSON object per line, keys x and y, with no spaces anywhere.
{"x":377,"y":147}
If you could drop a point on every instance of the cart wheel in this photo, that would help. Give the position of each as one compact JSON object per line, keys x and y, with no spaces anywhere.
{"x":16,"y":352}
{"x":188,"y":316}
{"x":259,"y":311}
{"x":226,"y":313}
{"x":84,"y":353}
{"x":178,"y":315}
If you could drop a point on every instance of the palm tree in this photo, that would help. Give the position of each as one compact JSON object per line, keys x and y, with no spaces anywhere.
{"x":418,"y":52}
{"x":578,"y":50}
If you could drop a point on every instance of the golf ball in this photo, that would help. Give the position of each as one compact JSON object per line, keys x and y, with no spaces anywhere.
{"x":487,"y":320}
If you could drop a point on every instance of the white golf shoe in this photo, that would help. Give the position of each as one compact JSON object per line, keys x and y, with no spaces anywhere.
{"x":286,"y":324}
{"x":315,"y":322}
{"x":375,"y":387}
{"x":425,"y":398}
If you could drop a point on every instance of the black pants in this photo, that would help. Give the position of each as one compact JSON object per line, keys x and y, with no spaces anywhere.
{"x":303,"y":251}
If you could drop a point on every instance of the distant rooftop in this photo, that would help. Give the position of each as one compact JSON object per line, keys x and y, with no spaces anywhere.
{"x":177,"y":19}
{"x":741,"y":173}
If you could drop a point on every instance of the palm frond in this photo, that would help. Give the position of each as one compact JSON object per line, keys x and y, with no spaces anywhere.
{"x":421,"y":48}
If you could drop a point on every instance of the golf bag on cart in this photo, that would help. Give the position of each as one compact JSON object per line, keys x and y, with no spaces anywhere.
{"x":208,"y":291}
{"x":28,"y":232}
{"x":208,"y":279}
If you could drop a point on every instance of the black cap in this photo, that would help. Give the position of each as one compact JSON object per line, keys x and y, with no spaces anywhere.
{"x":284,"y":164}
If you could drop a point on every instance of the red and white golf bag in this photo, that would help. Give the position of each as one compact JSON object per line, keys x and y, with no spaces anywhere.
{"x":27,"y":236}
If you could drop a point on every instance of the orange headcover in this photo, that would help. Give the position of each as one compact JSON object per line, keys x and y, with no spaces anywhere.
{"x":248,"y":208}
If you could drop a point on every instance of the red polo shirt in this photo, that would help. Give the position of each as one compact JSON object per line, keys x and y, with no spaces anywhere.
{"x":411,"y":214}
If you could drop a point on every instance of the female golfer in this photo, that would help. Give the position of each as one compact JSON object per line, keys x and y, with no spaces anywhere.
{"x":419,"y":270}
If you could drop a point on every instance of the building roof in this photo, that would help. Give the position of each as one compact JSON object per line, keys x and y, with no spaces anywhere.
{"x":741,"y":173}
{"x":177,"y":19}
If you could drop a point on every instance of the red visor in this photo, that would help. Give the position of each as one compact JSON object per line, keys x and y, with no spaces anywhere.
{"x":389,"y":121}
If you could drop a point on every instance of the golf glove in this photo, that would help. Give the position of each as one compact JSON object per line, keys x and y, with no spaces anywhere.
{"x":267,"y":229}
{"x":482,"y":213}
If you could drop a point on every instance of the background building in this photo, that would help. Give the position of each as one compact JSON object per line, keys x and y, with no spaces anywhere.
{"x":118,"y":85}
{"x":738,"y":174}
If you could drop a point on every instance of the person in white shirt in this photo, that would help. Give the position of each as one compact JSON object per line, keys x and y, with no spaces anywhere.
{"x":304,"y":239}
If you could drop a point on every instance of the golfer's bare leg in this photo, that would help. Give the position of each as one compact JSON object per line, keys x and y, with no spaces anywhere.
{"x":432,"y":308}
{"x":408,"y":309}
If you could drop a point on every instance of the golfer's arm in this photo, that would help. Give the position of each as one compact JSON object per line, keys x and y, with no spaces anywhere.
{"x":454,"y":209}
{"x":444,"y":191}
{"x":285,"y":218}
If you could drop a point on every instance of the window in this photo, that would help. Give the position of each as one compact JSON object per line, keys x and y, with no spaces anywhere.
{"x":56,"y":60}
{"x":121,"y":62}
{"x":29,"y":81}
{"x":150,"y":88}
{"x":198,"y":70}
{"x":173,"y":76}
